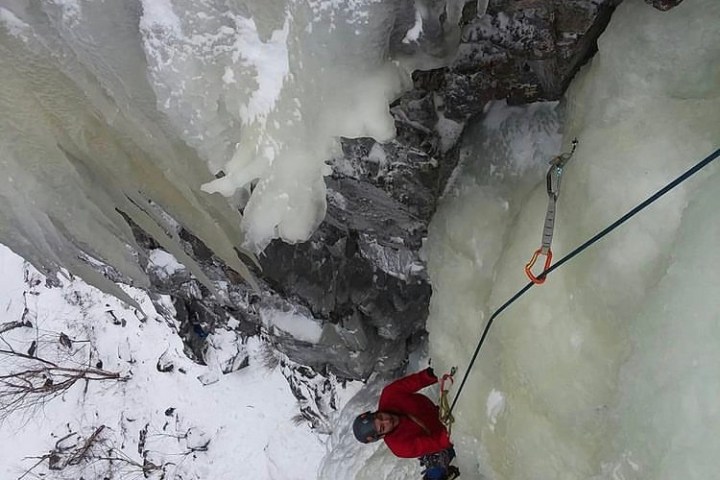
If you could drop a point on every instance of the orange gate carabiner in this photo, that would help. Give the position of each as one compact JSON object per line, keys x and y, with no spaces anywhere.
{"x":528,"y":267}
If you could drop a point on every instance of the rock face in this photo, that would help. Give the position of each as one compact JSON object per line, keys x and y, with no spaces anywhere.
{"x":358,"y":289}
{"x":522,"y":51}
{"x":361,"y":272}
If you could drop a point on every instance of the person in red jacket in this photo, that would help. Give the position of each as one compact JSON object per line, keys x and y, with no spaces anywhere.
{"x":409,"y":422}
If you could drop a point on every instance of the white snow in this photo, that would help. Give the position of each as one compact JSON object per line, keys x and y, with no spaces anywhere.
{"x":337,"y":198}
{"x":494,"y":406}
{"x":160,"y":14}
{"x":449,"y":132}
{"x":160,"y":260}
{"x":270,"y":61}
{"x":397,"y":262}
{"x":246,"y":415}
{"x":13,"y":24}
{"x":415,"y":31}
{"x":377,"y":155}
{"x":295,"y":324}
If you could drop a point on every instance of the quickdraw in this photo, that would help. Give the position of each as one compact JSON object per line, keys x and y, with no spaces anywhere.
{"x":577,"y":251}
{"x":552,"y":178}
{"x":446,"y":416}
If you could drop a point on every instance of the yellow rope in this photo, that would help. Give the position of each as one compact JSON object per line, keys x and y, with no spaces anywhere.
{"x":446,"y":416}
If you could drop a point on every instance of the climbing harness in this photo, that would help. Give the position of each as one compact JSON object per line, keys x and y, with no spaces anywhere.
{"x":436,"y":466}
{"x":553,"y":177}
{"x":680,"y":179}
{"x":445,"y":415}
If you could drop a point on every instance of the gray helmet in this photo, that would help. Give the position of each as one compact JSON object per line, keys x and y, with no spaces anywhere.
{"x":364,"y":428}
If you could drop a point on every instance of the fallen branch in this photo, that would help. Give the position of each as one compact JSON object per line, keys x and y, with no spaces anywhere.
{"x":30,"y":381}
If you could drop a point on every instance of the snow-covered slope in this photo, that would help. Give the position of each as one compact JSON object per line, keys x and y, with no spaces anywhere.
{"x":164,"y":414}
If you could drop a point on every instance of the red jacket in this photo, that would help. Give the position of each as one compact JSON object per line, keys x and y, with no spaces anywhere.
{"x":410,"y":440}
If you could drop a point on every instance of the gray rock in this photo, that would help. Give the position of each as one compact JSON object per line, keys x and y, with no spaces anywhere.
{"x":520,"y":51}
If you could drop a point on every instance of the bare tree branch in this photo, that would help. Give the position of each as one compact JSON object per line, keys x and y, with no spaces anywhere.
{"x":7,"y":326}
{"x":28,"y":382}
{"x":75,"y":456}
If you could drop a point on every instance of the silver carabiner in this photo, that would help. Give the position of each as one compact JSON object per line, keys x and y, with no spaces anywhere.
{"x":553,"y":189}
{"x":556,"y":170}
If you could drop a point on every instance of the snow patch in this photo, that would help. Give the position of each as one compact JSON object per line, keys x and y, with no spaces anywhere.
{"x":13,"y":24}
{"x":415,"y":31}
{"x":241,"y":421}
{"x":494,"y":406}
{"x":295,"y":324}
{"x":163,"y":263}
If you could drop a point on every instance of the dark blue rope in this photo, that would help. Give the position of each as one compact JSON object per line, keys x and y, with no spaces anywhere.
{"x":692,"y":171}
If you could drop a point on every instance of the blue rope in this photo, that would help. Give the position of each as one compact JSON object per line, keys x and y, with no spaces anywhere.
{"x":689,"y":173}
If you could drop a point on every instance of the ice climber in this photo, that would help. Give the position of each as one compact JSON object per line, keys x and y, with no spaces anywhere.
{"x":409,"y":423}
